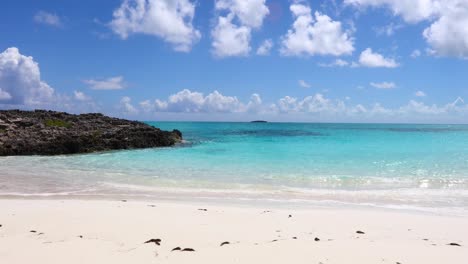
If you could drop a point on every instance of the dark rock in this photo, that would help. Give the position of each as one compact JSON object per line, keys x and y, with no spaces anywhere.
{"x":188,"y":249}
{"x":317,"y":239}
{"x":454,"y":244}
{"x":224,"y":243}
{"x":202,"y":209}
{"x":176,"y":249}
{"x":44,"y":132}
{"x":360,"y":232}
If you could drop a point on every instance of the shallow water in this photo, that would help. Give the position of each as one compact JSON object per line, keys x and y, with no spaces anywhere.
{"x":422,"y":167}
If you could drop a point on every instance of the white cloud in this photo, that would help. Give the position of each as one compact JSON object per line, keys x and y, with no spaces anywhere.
{"x":315,"y":34}
{"x":4,"y":95}
{"x":368,"y":58}
{"x":388,"y":30}
{"x":20,"y":80}
{"x":412,"y":11}
{"x":416,"y":53}
{"x":316,"y":107}
{"x":194,"y":102}
{"x":251,"y":13}
{"x":317,"y":103}
{"x":335,"y":63}
{"x":255,"y":104}
{"x":232,"y":33}
{"x":265,"y":47}
{"x":420,"y":94}
{"x":21,"y":87}
{"x":147,"y":106}
{"x":447,"y":35}
{"x":43,"y":17}
{"x":112,"y":83}
{"x":383,"y":85}
{"x":170,"y":20}
{"x":304,"y":84}
{"x":187,"y":101}
{"x":229,"y":39}
{"x":126,"y":107}
{"x":80,"y":96}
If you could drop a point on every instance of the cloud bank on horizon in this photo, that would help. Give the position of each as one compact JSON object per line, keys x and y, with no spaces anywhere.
{"x":324,"y":37}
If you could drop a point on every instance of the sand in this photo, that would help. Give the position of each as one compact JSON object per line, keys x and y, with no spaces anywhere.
{"x":74,"y":231}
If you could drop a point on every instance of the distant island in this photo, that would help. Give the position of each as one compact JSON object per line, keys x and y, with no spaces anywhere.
{"x":259,"y":121}
{"x":43,"y":132}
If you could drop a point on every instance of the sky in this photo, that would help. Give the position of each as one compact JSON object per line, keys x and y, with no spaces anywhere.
{"x":238,"y":60}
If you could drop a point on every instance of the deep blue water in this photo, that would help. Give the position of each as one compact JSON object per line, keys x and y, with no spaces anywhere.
{"x":414,"y":166}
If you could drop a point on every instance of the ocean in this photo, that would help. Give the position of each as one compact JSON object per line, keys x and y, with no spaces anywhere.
{"x":400,"y":166}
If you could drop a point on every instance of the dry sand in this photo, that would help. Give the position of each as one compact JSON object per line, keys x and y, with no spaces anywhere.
{"x":73,"y":231}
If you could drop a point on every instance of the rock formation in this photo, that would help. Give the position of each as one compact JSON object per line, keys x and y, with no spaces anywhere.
{"x":43,"y":132}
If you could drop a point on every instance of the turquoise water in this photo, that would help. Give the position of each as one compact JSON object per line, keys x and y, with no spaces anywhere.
{"x":423,"y":167}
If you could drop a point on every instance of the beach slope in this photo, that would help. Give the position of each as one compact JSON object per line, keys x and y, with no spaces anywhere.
{"x":71,"y":231}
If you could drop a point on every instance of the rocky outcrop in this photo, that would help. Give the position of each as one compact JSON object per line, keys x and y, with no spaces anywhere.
{"x":43,"y":132}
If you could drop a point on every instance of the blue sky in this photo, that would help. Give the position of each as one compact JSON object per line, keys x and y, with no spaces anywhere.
{"x":327,"y":61}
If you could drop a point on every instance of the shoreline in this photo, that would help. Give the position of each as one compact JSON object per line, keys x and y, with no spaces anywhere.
{"x":197,"y":198}
{"x":115,"y":232}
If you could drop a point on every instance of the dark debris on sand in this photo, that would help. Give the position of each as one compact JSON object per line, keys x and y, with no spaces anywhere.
{"x":157,"y":241}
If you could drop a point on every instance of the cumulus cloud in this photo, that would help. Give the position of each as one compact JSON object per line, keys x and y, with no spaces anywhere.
{"x":4,"y":95}
{"x":335,"y":63}
{"x":112,"y":83}
{"x":46,"y":18}
{"x":309,"y":104}
{"x":20,"y":80}
{"x":187,"y":101}
{"x":320,"y":107}
{"x":21,"y":86}
{"x":126,"y":107}
{"x":315,"y":34}
{"x":388,"y":30}
{"x":195,"y":102}
{"x":316,"y":107}
{"x":368,"y":58}
{"x":304,"y":84}
{"x":383,"y":85}
{"x":416,"y":53}
{"x":229,"y":39}
{"x":265,"y":47}
{"x":170,"y":20}
{"x":232,"y":33}
{"x":80,"y":96}
{"x":411,"y":11}
{"x":447,"y":35}
{"x":420,"y":94}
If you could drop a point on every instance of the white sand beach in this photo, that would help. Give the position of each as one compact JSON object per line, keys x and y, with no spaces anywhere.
{"x":75,"y":231}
